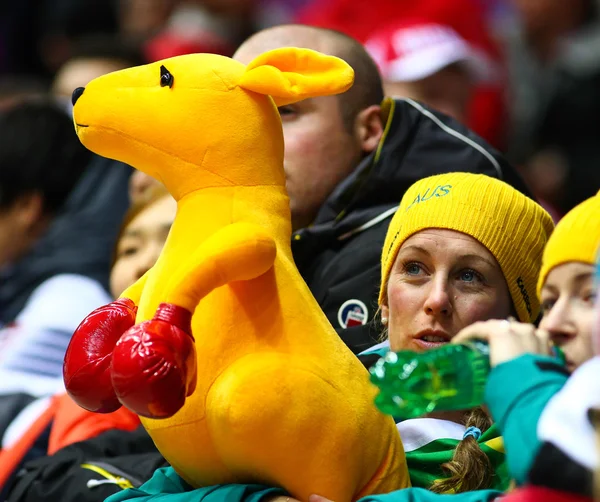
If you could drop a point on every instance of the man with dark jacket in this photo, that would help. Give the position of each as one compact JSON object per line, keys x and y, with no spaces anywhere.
{"x":348,"y":161}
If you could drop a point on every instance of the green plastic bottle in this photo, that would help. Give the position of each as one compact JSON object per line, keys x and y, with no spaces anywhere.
{"x":451,"y":377}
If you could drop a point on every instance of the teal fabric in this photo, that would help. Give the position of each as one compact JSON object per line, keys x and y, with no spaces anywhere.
{"x":422,"y":495}
{"x":380,"y":351}
{"x":167,"y":486}
{"x":516,"y":394}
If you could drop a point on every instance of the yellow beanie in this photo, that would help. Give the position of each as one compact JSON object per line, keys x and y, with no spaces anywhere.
{"x":510,"y":225}
{"x":576,"y":238}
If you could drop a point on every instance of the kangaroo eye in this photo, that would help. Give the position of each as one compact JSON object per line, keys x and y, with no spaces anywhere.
{"x":166,"y":79}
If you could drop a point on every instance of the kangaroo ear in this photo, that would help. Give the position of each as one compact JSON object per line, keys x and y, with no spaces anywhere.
{"x":290,"y":74}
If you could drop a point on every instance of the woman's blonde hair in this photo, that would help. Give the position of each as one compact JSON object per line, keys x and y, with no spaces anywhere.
{"x":470,"y":468}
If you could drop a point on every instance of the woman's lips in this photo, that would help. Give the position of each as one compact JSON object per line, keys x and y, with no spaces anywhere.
{"x":426,"y":345}
{"x":431,"y":339}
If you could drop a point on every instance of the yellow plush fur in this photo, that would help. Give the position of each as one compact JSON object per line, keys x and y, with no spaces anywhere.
{"x":279,"y":398}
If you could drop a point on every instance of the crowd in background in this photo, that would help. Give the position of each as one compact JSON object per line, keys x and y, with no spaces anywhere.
{"x":528,"y":84}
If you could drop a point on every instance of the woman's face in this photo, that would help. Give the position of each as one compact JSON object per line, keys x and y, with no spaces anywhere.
{"x":568,"y":297}
{"x":141,"y":243}
{"x":441,"y":282}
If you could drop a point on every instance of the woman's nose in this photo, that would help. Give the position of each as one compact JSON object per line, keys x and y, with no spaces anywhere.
{"x":558,"y":323}
{"x":438,"y":300}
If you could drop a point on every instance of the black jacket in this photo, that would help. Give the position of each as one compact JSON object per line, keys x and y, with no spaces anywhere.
{"x":339,"y":255}
{"x":88,"y":471}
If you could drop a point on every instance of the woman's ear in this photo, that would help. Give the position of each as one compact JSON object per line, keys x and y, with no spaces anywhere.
{"x":385,"y":315}
{"x":290,"y":74}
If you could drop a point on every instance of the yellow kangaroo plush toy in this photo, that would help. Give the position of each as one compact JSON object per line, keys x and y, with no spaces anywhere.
{"x":221,"y":347}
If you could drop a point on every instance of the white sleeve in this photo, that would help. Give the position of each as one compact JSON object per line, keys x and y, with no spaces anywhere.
{"x":36,"y":343}
{"x":62,"y":302}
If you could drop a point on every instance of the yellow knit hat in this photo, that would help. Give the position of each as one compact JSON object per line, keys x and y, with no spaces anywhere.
{"x":510,"y":225}
{"x":576,"y":238}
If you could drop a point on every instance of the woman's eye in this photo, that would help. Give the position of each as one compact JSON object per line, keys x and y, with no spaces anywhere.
{"x":591,"y":297}
{"x":128,"y":251}
{"x":412,"y":268}
{"x":286,"y":111}
{"x":546,"y":306}
{"x":469,"y":276}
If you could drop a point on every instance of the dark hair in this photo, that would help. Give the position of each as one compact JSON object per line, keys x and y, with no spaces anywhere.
{"x":368,"y":88}
{"x":39,"y":153}
{"x":470,"y":468}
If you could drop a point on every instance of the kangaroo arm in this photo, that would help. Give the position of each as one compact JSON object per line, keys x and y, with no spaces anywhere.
{"x":237,"y":252}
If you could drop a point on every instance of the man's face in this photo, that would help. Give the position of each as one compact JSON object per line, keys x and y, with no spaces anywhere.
{"x":319,"y":153}
{"x":320,"y":149}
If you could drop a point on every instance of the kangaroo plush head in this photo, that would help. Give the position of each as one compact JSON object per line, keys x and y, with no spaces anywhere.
{"x":191,"y":121}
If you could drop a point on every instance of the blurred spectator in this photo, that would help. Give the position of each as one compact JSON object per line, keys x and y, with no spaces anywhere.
{"x":555,"y":71}
{"x":356,"y":19}
{"x":41,"y":163}
{"x":487,"y":108}
{"x":144,"y":232}
{"x":59,"y":216}
{"x":61,"y":23}
{"x":428,"y":62}
{"x":140,"y":19}
{"x":192,"y":28}
{"x":546,"y":173}
{"x":214,"y":26}
{"x":91,"y":58}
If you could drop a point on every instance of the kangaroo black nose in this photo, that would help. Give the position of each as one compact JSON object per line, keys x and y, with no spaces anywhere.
{"x":77,"y":94}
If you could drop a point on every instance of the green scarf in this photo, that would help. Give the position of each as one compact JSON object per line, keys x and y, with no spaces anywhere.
{"x":424,"y":463}
{"x":426,"y":456}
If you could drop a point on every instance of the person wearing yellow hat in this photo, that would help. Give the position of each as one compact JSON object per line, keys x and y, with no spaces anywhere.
{"x":467,"y":246}
{"x":461,"y":248}
{"x":566,"y":284}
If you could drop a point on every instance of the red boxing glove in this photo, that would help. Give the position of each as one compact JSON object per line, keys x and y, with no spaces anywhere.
{"x":87,"y":366}
{"x":154,"y":363}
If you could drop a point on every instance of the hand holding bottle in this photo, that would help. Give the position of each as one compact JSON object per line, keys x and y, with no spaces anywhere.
{"x":507,"y":339}
{"x":453,"y":376}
